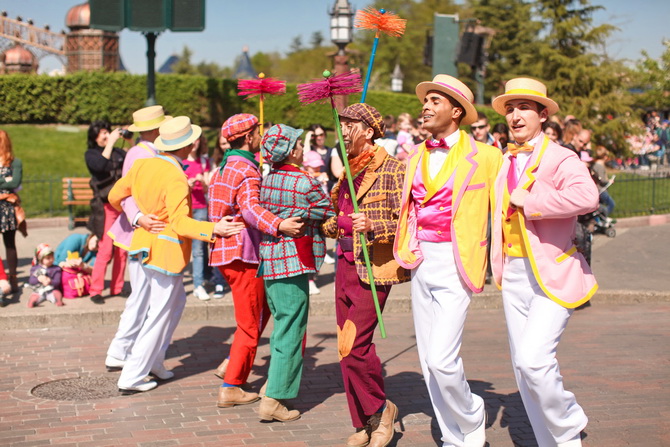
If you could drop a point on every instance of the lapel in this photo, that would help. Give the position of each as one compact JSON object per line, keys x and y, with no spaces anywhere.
{"x":528,"y":176}
{"x":371,"y":175}
{"x":465,"y":170}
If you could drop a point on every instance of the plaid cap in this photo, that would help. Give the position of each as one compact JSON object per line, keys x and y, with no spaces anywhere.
{"x":278,"y":142}
{"x":238,"y":126}
{"x":367,"y":114}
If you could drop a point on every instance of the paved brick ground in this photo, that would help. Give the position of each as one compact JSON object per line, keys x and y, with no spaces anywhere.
{"x":614,"y":358}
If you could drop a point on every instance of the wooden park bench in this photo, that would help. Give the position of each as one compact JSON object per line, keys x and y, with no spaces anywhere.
{"x":76,"y":191}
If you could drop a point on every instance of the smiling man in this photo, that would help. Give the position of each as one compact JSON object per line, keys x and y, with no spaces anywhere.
{"x":541,"y":189}
{"x":377,"y":178}
{"x":441,"y":237}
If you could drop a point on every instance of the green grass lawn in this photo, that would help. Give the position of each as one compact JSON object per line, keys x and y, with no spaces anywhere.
{"x":638,"y":195}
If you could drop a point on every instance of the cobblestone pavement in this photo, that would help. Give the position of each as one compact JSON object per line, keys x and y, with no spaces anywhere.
{"x":614,"y":357}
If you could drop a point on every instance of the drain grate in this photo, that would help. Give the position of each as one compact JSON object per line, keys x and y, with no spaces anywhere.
{"x":78,"y":388}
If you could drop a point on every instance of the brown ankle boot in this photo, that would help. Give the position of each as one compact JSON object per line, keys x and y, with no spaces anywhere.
{"x":273,"y":410}
{"x":230,"y":396}
{"x":383,"y":433}
{"x":359,"y":439}
{"x":221,"y":369}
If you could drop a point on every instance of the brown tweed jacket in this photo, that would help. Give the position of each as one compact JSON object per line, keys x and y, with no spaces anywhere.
{"x":379,"y":198}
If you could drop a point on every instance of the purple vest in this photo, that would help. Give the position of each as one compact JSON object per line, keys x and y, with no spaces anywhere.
{"x":433,"y":218}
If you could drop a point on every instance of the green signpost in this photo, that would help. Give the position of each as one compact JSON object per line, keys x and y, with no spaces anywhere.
{"x":150,"y":17}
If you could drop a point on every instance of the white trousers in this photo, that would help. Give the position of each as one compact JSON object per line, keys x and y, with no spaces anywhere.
{"x":535,"y":324}
{"x":440,"y":303}
{"x":137,"y":305}
{"x":166,"y":300}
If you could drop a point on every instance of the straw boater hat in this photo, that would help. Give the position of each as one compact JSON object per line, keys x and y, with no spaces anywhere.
{"x":524,"y":88}
{"x":453,"y":88}
{"x":148,"y":118}
{"x":176,"y":134}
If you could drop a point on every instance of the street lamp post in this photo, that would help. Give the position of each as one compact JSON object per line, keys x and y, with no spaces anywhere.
{"x":341,"y":30}
{"x":396,"y":79}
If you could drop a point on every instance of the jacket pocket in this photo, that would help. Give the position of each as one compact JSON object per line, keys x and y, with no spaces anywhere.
{"x":373,"y":199}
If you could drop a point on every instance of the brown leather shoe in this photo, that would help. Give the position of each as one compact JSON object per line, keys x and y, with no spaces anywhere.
{"x":221,"y":370}
{"x":233,"y":395}
{"x":273,"y":410}
{"x":382,"y":425}
{"x":359,"y":439}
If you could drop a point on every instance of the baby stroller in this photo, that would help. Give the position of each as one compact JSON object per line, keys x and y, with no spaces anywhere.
{"x":602,"y":223}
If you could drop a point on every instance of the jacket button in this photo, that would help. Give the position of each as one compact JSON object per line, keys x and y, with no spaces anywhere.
{"x":509,"y":245}
{"x":420,"y":228}
{"x":439,"y":232}
{"x":441,"y":208}
{"x":341,"y":213}
{"x":346,"y":195}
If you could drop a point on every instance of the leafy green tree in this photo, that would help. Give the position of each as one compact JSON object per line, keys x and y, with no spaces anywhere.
{"x":652,"y":78}
{"x":296,"y":44}
{"x":317,"y":39}
{"x":183,"y":65}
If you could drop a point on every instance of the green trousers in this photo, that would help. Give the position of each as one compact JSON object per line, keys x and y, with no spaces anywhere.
{"x":288,"y":299}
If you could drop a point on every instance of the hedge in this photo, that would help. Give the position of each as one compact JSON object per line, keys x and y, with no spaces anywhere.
{"x":83,"y":97}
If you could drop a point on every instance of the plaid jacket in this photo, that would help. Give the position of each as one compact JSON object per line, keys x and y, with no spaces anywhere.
{"x":379,"y":198}
{"x":234,"y":191}
{"x":289,"y":192}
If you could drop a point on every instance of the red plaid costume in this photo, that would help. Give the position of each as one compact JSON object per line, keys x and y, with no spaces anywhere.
{"x":235,"y":191}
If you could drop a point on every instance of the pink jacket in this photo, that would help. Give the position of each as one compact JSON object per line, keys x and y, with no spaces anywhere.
{"x":560,"y":190}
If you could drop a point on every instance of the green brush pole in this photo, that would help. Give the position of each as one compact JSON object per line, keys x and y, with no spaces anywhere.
{"x":364,"y":244}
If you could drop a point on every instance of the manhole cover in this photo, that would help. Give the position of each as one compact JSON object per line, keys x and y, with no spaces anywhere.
{"x":78,"y":388}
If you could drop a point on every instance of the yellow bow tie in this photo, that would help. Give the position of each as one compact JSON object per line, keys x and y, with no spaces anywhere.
{"x":514,"y":149}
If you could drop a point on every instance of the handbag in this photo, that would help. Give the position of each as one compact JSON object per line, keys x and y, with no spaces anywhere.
{"x":75,"y":282}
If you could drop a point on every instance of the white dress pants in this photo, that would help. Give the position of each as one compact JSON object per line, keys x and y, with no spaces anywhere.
{"x":166,"y":300}
{"x":535,"y":324}
{"x":133,"y":314}
{"x":440,"y":303}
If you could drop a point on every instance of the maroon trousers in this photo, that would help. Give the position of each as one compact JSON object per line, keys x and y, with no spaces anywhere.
{"x":356,"y":321}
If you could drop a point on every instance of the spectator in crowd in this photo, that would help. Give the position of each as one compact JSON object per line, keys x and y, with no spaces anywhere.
{"x":85,"y":244}
{"x":197,"y":169}
{"x":570,"y":130}
{"x":45,"y":278}
{"x":481,"y":131}
{"x":553,"y":130}
{"x":600,"y":177}
{"x":5,"y":288}
{"x":11,"y":175}
{"x":315,"y":140}
{"x":405,"y":136}
{"x":105,"y":163}
{"x":501,"y":134}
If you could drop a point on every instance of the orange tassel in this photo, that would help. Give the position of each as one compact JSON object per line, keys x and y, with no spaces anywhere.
{"x":384,"y":21}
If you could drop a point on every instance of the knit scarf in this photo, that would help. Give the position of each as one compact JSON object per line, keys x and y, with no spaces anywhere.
{"x":239,"y":152}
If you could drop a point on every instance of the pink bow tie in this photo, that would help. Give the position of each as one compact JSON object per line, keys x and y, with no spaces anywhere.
{"x":432,"y":144}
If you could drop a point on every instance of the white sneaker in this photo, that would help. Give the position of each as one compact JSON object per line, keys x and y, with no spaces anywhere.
{"x":161,"y":373}
{"x":201,"y":294}
{"x":328,"y":259}
{"x":313,"y":289}
{"x":218,"y":292}
{"x":574,"y":442}
{"x":114,"y":364}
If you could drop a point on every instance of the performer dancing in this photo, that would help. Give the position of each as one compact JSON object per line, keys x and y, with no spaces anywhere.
{"x":234,"y":191}
{"x":159,"y":187}
{"x":540,"y":190}
{"x":287,"y":263}
{"x":378,"y":181}
{"x":441,"y":237}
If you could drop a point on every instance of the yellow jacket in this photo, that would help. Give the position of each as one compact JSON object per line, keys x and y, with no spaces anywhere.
{"x":475,"y":175}
{"x":159,"y":187}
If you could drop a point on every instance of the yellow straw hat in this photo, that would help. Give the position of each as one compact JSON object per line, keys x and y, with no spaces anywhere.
{"x":148,"y":118}
{"x":176,"y":134}
{"x":525,"y":88}
{"x":456,"y":90}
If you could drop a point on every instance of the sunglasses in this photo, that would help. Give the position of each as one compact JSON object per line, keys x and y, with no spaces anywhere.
{"x":478,"y":127}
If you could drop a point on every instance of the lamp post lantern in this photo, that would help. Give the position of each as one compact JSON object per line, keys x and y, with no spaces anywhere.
{"x":341,"y":34}
{"x":396,"y":79}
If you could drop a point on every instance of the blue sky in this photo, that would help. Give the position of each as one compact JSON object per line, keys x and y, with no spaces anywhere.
{"x":271,"y":25}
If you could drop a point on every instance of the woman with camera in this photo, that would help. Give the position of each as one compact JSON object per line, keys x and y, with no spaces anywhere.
{"x":105,"y":162}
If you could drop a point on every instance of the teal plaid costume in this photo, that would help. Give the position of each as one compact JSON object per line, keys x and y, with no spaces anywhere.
{"x":287,"y":192}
